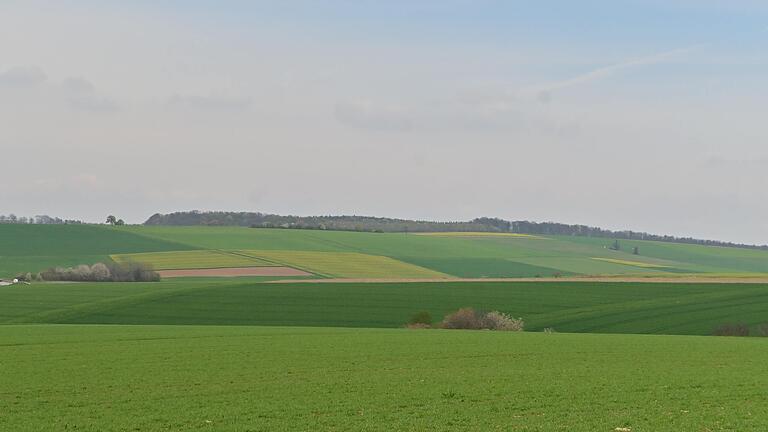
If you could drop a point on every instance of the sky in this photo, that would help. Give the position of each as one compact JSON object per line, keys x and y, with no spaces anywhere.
{"x":624,"y":114}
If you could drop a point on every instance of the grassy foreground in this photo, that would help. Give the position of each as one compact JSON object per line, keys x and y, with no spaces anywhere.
{"x":150,"y":378}
{"x":607,"y":307}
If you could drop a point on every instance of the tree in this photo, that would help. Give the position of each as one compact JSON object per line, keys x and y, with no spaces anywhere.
{"x":635,"y":250}
{"x":615,"y":246}
{"x":111,"y":220}
{"x":120,"y":222}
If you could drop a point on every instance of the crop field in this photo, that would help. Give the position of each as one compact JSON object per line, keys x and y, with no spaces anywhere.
{"x":345,"y":264}
{"x":31,"y":248}
{"x":585,"y":307}
{"x":114,"y":378}
{"x":631,"y":263}
{"x":237,"y":354}
{"x":478,"y":234}
{"x":470,"y":255}
{"x":368,"y":255}
{"x":193,"y":259}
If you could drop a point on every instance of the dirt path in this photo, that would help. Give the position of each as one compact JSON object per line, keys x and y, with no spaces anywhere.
{"x":235,"y":271}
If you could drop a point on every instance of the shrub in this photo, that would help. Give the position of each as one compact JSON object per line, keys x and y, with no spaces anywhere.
{"x":462,"y":319}
{"x":500,"y":321}
{"x":24,"y":277}
{"x":418,"y":326}
{"x":549,"y":330}
{"x":100,"y":272}
{"x":469,"y":319}
{"x":422,"y":317}
{"x":731,"y":330}
{"x":762,"y":330}
{"x":133,"y":272}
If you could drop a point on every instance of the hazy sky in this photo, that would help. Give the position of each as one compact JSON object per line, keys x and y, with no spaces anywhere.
{"x":647,"y":115}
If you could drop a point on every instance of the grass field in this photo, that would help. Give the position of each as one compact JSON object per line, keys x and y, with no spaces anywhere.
{"x":193,"y":259}
{"x":472,"y":255}
{"x":31,"y":248}
{"x":148,"y":378}
{"x":663,"y":308}
{"x":478,"y":234}
{"x":631,"y":263}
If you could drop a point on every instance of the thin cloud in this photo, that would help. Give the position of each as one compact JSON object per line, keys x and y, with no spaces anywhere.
{"x":608,"y":71}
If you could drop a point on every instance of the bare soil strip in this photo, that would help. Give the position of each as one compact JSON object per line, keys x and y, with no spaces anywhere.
{"x":708,"y":280}
{"x":234,"y":271}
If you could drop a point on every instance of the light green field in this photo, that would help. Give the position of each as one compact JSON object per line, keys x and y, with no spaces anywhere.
{"x":630,"y":263}
{"x":345,"y":264}
{"x":478,"y":234}
{"x":152,"y":378}
{"x":193,"y":259}
{"x":486,"y":256}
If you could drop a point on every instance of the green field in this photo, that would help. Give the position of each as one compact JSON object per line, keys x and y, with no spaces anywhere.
{"x":192,"y":259}
{"x":345,"y":264}
{"x":34,"y":248}
{"x":244,"y":355}
{"x":664,"y":308}
{"x":150,"y":378}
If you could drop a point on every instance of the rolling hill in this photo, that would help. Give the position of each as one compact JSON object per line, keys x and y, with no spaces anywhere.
{"x":584,"y":307}
{"x":368,"y":255}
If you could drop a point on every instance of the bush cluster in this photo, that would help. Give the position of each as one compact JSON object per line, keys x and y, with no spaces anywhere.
{"x":100,"y":272}
{"x":731,"y":330}
{"x":470,"y":319}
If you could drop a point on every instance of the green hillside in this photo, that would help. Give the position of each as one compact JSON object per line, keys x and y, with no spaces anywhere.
{"x":484,"y":256}
{"x":151,"y":378}
{"x":667,"y":308}
{"x":36,"y":247}
{"x":31,"y":248}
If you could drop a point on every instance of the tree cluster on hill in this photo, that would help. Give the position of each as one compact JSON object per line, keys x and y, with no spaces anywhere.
{"x":334,"y":223}
{"x":552,"y":228}
{"x":379,"y":224}
{"x":39,"y":219}
{"x":112,"y":220}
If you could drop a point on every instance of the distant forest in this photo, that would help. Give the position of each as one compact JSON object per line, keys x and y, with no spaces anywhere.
{"x":39,"y":219}
{"x":380,"y":224}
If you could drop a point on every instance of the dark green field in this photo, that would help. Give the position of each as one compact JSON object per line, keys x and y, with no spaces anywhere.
{"x":615,"y":307}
